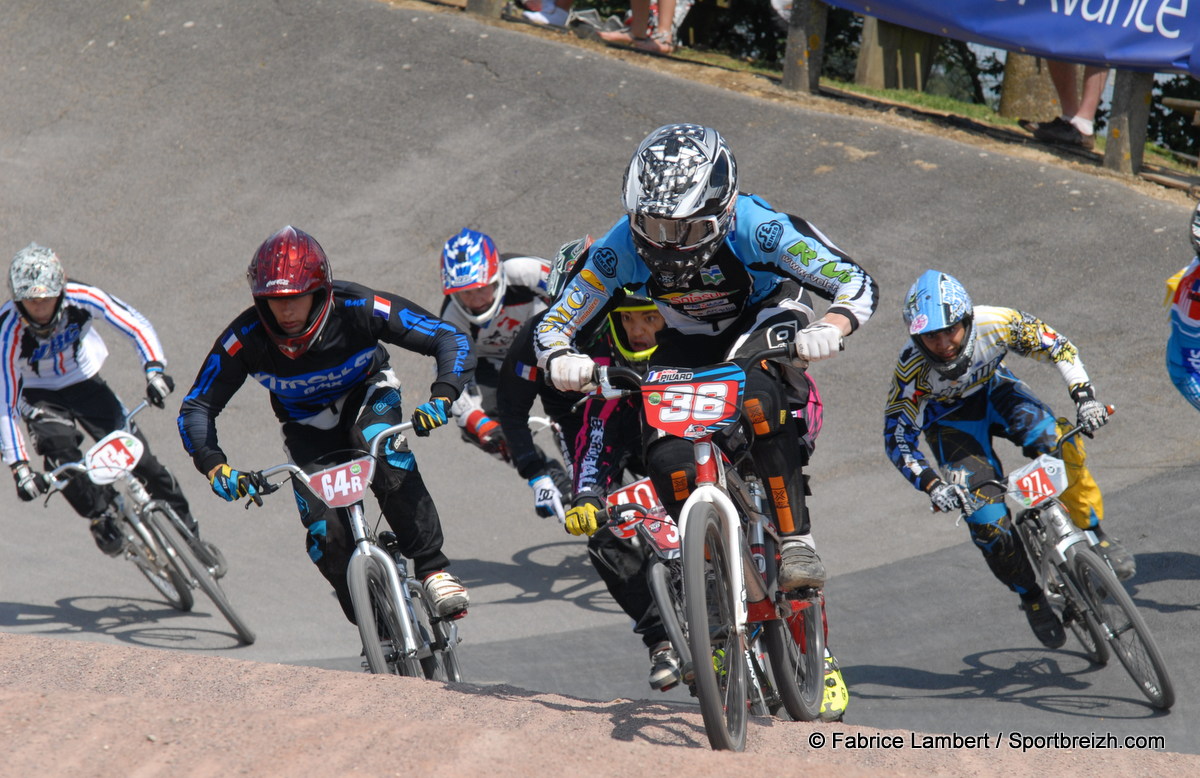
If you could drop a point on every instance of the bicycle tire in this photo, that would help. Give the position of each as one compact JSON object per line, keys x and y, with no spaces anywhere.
{"x":152,"y":561}
{"x":198,"y":571}
{"x":437,"y":657}
{"x":666,"y":587}
{"x":718,"y":648}
{"x":1076,"y":616}
{"x":378,"y":620}
{"x":1127,"y":633}
{"x":1079,"y":618}
{"x":799,"y":671}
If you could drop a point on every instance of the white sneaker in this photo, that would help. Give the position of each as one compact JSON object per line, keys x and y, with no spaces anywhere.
{"x":446,"y":593}
{"x":550,"y":15}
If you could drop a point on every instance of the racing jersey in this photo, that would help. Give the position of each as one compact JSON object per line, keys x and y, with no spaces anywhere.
{"x":309,"y":389}
{"x":916,"y":384}
{"x":1184,"y":345}
{"x":762,"y":248}
{"x":72,"y":352}
{"x":524,"y":297}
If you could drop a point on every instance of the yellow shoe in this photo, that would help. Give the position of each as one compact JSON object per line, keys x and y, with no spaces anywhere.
{"x":837,"y":695}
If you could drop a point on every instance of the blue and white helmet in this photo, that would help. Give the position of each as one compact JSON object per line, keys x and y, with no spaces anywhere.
{"x":935,"y":302}
{"x":470,"y":261}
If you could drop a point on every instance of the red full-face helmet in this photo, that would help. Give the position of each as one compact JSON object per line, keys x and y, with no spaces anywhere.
{"x":291,"y":263}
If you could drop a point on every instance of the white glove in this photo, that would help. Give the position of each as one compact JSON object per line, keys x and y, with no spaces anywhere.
{"x":547,"y":499}
{"x":571,"y":371}
{"x":947,"y":497}
{"x":819,"y":341}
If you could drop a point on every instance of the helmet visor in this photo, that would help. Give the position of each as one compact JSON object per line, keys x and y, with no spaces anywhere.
{"x":679,"y":234}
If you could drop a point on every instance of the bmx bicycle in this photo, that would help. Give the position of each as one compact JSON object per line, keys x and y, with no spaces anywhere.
{"x":730,"y":554}
{"x":1074,"y":575}
{"x":401,"y":632}
{"x":156,"y":540}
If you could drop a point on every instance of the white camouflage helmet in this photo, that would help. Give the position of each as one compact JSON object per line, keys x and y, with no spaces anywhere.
{"x":35,"y":272}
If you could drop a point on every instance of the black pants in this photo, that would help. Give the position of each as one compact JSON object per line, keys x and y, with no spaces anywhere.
{"x":397,"y":485}
{"x":776,"y":448}
{"x":91,"y":404}
{"x":623,"y":570}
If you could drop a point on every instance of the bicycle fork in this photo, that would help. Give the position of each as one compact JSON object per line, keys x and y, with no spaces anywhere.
{"x":367,"y":553}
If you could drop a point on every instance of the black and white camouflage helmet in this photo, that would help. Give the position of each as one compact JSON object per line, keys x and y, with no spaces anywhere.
{"x":1196,"y":229}
{"x":679,"y":192}
{"x":35,"y":272}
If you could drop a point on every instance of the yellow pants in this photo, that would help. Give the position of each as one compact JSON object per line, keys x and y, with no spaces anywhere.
{"x":1082,"y":497}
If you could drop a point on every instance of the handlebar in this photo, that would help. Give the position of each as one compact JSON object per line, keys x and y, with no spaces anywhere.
{"x":1056,"y":452}
{"x":261,"y":478}
{"x":607,"y":376}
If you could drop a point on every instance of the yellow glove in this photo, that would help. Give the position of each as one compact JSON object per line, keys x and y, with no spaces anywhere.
{"x":584,"y":519}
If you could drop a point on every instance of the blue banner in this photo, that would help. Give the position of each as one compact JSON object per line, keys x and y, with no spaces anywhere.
{"x":1146,"y":35}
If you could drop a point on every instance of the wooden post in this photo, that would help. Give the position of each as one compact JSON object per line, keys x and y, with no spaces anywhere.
{"x":489,"y":8}
{"x":1127,"y":122}
{"x":894,"y":57}
{"x":805,"y":53}
{"x":1027,"y":91}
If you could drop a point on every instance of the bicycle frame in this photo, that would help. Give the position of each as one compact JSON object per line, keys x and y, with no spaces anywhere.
{"x":325,"y":484}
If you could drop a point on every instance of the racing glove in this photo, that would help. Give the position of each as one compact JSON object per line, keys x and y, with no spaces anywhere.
{"x":947,"y":497}
{"x":431,"y":415}
{"x":584,"y":518}
{"x":818,"y":341}
{"x":487,"y":433}
{"x":547,"y":499}
{"x":1090,"y":413}
{"x":158,"y":384}
{"x":29,"y":484}
{"x":571,"y":371}
{"x":230,"y":484}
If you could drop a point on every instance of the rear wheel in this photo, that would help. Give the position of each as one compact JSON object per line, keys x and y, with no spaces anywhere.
{"x":1127,"y":633}
{"x":199,"y":572}
{"x":439,"y":662}
{"x":666,"y":585}
{"x":799,"y":663}
{"x":151,"y":559}
{"x":718,"y":647}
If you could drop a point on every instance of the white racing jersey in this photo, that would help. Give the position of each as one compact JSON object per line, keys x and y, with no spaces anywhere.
{"x":71,"y":353}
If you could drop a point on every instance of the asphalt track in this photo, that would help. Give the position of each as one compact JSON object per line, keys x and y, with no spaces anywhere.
{"x":154,"y":145}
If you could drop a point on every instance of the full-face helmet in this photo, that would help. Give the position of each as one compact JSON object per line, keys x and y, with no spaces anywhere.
{"x":291,"y":263}
{"x":470,"y":261}
{"x":679,"y":191}
{"x":35,"y":273}
{"x":633,"y":355}
{"x":937,"y":301}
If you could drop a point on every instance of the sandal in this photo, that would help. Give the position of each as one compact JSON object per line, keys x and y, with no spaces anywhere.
{"x":616,"y":37}
{"x":658,"y":43}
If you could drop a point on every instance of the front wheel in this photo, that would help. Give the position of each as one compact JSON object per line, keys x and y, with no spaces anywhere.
{"x":378,"y":617}
{"x":1126,"y":630}
{"x":151,"y":559}
{"x":718,"y":646}
{"x":198,"y":571}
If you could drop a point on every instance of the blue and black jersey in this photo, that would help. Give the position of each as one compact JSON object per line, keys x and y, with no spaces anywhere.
{"x":344,"y":357}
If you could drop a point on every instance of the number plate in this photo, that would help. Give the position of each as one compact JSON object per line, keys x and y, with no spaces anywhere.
{"x":693,"y":403}
{"x":1038,"y":481}
{"x":343,"y":484}
{"x":659,"y":530}
{"x":114,"y":454}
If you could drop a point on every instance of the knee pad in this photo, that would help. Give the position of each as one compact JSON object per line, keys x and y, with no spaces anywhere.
{"x":672,"y":470}
{"x":990,"y":531}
